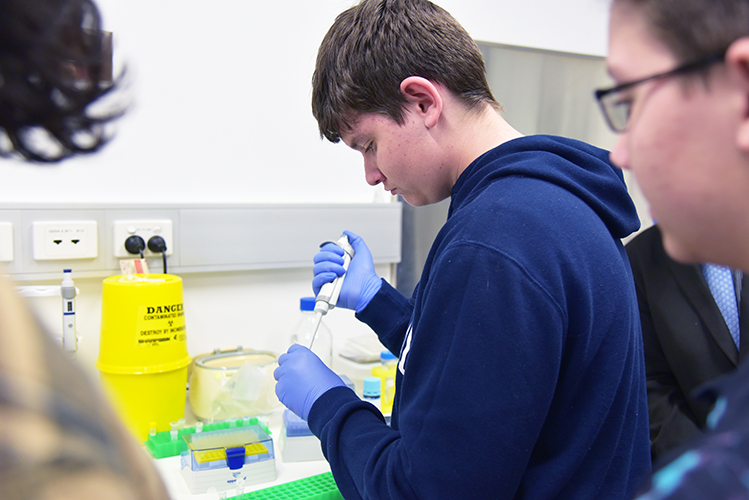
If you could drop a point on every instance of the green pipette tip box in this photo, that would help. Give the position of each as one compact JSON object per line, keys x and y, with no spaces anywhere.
{"x":319,"y":487}
{"x":161,"y":444}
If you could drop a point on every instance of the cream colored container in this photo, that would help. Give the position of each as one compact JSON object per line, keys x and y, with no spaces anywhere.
{"x":233,"y":384}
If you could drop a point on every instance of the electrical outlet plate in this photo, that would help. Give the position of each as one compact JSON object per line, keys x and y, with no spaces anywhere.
{"x":6,"y":241}
{"x":65,"y":240}
{"x":145,"y":229}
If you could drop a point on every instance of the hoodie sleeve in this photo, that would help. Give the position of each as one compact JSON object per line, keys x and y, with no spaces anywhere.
{"x":444,"y":441}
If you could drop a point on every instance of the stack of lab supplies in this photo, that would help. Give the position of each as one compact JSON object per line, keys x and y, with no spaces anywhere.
{"x":298,"y":444}
{"x":229,"y":458}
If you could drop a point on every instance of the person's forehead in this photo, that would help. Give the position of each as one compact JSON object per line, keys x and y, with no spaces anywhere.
{"x":632,"y":48}
{"x":358,"y":126}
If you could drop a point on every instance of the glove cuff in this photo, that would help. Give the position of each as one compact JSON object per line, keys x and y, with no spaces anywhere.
{"x":368,"y":292}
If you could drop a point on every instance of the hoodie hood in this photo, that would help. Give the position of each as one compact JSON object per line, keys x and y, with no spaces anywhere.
{"x":575,"y":166}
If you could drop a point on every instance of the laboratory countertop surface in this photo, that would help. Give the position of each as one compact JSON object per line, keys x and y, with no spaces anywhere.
{"x":285,"y":472}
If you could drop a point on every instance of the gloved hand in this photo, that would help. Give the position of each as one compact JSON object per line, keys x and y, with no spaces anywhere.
{"x":301,"y":378}
{"x":361,"y":282}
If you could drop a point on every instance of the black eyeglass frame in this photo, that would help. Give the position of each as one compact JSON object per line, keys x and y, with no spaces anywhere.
{"x":679,"y":70}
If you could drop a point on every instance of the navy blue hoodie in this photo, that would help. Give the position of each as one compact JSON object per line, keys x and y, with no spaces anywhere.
{"x":521,"y":369}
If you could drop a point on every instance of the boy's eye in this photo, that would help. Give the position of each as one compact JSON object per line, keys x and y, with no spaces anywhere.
{"x":368,"y":147}
{"x":623,"y":100}
{"x":624,"y":109}
{"x":619,"y":107}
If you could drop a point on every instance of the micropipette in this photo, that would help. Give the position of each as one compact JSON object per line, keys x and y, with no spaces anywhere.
{"x":67,"y":290}
{"x":327,"y":298}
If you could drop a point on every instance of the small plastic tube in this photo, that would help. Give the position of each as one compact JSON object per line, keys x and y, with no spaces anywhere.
{"x":239,"y":483}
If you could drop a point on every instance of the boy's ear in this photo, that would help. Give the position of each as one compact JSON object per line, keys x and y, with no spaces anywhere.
{"x":737,"y":58}
{"x":424,"y":98}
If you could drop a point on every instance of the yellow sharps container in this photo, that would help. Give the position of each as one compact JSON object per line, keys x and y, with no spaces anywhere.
{"x":143,"y":356}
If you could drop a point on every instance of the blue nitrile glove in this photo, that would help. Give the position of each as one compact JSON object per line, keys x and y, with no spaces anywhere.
{"x":361,"y":282}
{"x":301,"y":378}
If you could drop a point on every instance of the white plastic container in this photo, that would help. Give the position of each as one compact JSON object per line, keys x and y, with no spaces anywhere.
{"x":298,"y":444}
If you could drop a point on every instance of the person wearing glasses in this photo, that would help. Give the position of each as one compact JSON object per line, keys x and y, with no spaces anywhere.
{"x":521,"y":368}
{"x":692,"y":333}
{"x":681,"y":104}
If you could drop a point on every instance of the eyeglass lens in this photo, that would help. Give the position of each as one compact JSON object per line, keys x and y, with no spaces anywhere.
{"x":617,"y":110}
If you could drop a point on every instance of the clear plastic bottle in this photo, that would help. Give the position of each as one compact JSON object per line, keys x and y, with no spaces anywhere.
{"x":323,"y":345}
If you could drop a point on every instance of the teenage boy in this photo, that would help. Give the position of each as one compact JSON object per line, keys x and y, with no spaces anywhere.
{"x":681,"y":102}
{"x":520,"y":370}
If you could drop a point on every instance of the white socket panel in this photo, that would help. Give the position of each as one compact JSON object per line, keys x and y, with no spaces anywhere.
{"x":145,"y":229}
{"x":6,"y":241}
{"x":65,"y":240}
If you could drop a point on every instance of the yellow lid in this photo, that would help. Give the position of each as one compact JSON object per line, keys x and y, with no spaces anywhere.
{"x":142,"y":325}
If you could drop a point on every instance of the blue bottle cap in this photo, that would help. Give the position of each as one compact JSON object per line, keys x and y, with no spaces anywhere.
{"x":372,"y":387}
{"x":387,"y":355}
{"x":307,"y":303}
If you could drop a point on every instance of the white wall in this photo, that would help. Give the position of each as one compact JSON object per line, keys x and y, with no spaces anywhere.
{"x":577,"y":26}
{"x":221,"y":113}
{"x":221,"y":94}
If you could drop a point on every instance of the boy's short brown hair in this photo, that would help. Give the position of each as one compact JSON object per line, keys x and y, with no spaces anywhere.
{"x":372,"y":47}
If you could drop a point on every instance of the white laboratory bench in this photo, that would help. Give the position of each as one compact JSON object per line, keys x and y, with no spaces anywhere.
{"x":285,"y":472}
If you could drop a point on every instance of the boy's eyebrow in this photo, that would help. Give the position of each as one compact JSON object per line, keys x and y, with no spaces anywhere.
{"x":354,"y":143}
{"x":346,"y":126}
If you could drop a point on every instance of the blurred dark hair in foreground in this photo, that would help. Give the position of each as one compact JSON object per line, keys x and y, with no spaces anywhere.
{"x":54,"y":63}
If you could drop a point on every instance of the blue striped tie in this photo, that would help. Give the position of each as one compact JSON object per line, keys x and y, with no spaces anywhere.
{"x":720,"y":281}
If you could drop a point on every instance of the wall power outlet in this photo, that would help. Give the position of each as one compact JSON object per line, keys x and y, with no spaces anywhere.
{"x":65,"y":240}
{"x":123,"y":229}
{"x":6,"y":242}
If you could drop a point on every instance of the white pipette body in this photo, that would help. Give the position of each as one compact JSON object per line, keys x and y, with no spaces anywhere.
{"x":67,"y":290}
{"x":327,"y":297}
